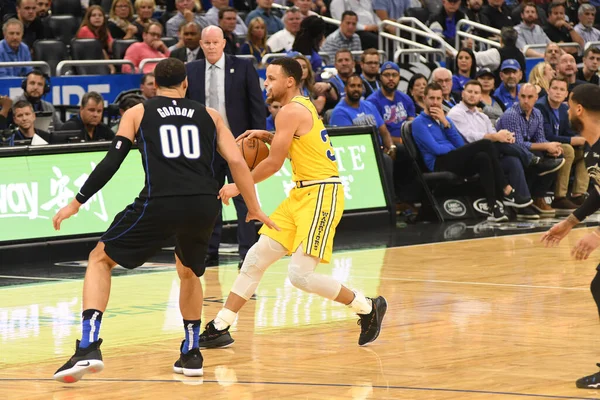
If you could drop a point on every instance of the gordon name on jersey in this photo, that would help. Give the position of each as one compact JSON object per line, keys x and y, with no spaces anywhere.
{"x":174,"y":110}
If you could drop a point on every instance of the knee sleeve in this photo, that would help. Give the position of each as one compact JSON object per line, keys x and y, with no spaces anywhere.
{"x":595,"y":289}
{"x":260,"y":256}
{"x":302,"y":276}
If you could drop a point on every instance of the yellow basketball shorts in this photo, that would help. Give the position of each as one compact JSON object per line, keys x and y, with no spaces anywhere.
{"x":309,"y":216}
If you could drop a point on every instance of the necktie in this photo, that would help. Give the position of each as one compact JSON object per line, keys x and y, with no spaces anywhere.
{"x":213,"y":92}
{"x":190,"y":56}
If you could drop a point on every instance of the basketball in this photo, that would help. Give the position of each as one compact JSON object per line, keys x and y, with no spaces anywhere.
{"x":254,"y":151}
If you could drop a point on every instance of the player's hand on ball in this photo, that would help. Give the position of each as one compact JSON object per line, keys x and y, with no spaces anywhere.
{"x":265,"y":136}
{"x":585,"y":246}
{"x":227,"y":192}
{"x":557,"y":233}
{"x":66,"y":212}
{"x":262,"y":217}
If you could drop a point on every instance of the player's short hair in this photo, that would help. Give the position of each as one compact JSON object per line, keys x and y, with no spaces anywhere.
{"x":290,"y":67}
{"x":21,"y":104}
{"x":169,"y":73}
{"x":588,"y":95}
{"x":97,"y":97}
{"x":433,"y":86}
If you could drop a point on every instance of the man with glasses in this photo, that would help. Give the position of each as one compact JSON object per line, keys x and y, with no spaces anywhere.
{"x":443,"y":77}
{"x":369,"y":64}
{"x":151,"y":47}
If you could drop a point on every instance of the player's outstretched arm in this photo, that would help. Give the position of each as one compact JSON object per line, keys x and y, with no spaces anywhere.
{"x":227,"y":147}
{"x":109,"y":165}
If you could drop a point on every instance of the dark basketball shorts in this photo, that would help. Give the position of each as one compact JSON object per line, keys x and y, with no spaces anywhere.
{"x":141,"y":229}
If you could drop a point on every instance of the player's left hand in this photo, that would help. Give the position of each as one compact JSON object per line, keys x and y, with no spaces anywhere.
{"x":66,"y":212}
{"x":262,"y":217}
{"x":585,"y":246}
{"x":227,"y":192}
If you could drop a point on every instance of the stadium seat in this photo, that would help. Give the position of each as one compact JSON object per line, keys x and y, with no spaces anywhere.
{"x":120,"y":47}
{"x":63,"y":27}
{"x":88,"y":49}
{"x":67,"y":7}
{"x":432,"y":182}
{"x":169,"y":41}
{"x":50,"y":51}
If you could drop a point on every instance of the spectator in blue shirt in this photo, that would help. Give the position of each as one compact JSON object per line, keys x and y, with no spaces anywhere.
{"x":264,"y":11}
{"x":527,"y":123}
{"x":510,"y":74}
{"x":394,"y":106}
{"x":274,"y":108}
{"x":12,"y":48}
{"x":351,"y":110}
{"x":444,"y":149}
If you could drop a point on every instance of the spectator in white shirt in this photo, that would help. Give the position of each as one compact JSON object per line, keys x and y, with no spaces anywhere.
{"x":284,"y":39}
{"x":368,"y":21}
{"x":585,"y":27}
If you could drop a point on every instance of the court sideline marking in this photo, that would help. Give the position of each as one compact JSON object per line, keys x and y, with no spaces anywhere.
{"x":348,"y":385}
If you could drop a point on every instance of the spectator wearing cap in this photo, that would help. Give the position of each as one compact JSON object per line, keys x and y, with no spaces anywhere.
{"x":491,"y":105}
{"x":567,"y":70}
{"x":394,"y":106}
{"x":464,"y":69}
{"x":352,"y":110}
{"x":589,"y":71}
{"x":345,"y":37}
{"x":510,"y":74}
{"x":474,"y":125}
{"x":529,"y":31}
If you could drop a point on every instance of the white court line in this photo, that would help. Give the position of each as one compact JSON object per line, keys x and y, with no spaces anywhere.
{"x":37,"y":278}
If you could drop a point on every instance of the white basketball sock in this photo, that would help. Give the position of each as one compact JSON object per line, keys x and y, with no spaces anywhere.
{"x":224,"y":319}
{"x":360,"y":304}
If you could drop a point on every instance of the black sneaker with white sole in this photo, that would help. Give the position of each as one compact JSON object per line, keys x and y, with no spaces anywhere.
{"x":513,"y":199}
{"x":590,"y":381}
{"x":545,"y":166}
{"x":84,"y":361}
{"x":496,"y":215}
{"x":190,"y":363}
{"x":370,"y":324}
{"x":212,"y":338}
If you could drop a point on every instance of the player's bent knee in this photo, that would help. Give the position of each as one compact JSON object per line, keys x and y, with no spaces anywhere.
{"x":299,"y":277}
{"x":99,"y":257}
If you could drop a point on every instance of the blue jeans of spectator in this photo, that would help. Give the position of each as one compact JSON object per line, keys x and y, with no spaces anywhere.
{"x":514,"y":150}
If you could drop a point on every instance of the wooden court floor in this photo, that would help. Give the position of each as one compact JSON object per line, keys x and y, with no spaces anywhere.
{"x":497,"y":318}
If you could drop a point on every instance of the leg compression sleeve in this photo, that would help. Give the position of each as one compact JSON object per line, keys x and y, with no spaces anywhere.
{"x":302,"y":276}
{"x":260,"y":256}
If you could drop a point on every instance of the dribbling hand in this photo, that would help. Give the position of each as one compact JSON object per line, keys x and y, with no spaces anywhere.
{"x":262,"y":217}
{"x":64,"y":213}
{"x":265,"y":136}
{"x":227,"y":192}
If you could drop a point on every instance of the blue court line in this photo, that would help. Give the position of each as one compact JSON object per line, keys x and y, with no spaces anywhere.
{"x":346,"y":385}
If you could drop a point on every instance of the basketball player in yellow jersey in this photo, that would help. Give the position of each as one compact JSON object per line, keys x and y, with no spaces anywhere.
{"x":307,"y":218}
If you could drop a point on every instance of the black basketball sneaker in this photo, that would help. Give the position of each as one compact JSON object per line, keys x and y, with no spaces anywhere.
{"x":212,"y":338}
{"x":370,"y":324}
{"x":189,"y":364}
{"x":590,"y":381}
{"x":84,"y":361}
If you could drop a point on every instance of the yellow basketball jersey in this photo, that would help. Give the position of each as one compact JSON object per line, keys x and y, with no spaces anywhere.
{"x":312,"y":155}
